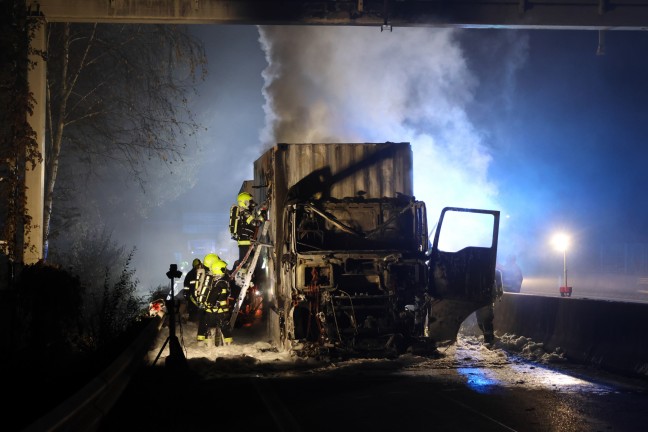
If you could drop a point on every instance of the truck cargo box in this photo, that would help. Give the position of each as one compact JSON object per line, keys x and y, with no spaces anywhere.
{"x":374,"y":170}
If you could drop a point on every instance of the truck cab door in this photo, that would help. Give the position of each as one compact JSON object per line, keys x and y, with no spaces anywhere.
{"x":462,"y":268}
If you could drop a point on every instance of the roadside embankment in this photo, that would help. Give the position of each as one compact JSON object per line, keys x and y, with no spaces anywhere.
{"x":84,"y":410}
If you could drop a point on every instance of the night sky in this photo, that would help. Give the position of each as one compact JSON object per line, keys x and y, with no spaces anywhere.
{"x":532,"y":123}
{"x":571,"y":149}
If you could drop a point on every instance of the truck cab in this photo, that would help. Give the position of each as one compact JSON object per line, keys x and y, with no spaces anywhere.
{"x":354,"y":264}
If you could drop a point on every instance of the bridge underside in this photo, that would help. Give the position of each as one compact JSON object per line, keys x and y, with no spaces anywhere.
{"x":520,"y":14}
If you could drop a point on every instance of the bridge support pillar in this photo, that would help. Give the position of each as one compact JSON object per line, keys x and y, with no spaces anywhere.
{"x":35,"y":176}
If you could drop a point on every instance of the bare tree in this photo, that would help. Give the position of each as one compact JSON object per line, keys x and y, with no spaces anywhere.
{"x":118,"y":94}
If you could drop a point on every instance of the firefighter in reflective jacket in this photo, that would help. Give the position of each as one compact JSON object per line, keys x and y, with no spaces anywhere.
{"x":195,"y":277}
{"x":244,"y":220}
{"x":211,"y":298}
{"x":189,"y":291}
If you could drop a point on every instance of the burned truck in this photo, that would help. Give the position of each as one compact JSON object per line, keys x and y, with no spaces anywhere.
{"x":346,"y":259}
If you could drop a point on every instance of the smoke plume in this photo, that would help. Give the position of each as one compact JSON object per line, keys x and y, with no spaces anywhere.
{"x":357,"y":84}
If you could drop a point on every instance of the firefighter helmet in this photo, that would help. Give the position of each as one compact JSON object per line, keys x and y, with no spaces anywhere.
{"x":218,"y":267}
{"x":243,"y":199}
{"x":195,"y":263}
{"x":210,"y":259}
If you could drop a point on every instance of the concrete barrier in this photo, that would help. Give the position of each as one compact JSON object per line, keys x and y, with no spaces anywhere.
{"x":608,"y":334}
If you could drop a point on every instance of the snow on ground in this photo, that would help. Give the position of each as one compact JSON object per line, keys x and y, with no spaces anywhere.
{"x":511,"y":361}
{"x":250,"y":355}
{"x":247,"y":355}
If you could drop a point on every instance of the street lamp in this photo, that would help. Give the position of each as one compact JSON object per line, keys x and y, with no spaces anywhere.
{"x":561,"y":243}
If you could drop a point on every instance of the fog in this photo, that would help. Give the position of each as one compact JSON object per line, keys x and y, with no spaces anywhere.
{"x":532,"y":123}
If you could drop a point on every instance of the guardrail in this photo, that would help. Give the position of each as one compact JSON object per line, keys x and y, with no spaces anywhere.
{"x":84,"y":410}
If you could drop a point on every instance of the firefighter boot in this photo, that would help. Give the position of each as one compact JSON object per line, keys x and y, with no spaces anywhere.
{"x":227,"y":336}
{"x":489,"y":339}
{"x":201,"y":340}
{"x":218,"y":339}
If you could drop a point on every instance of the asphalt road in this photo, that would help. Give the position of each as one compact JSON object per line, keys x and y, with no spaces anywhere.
{"x":466,"y":387}
{"x":600,"y":287}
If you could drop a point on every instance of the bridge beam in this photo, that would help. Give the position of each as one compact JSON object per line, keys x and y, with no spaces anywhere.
{"x":515,"y":14}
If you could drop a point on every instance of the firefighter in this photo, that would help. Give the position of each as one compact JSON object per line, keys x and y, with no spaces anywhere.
{"x":190,"y":281}
{"x":213,"y":306}
{"x":210,"y":259}
{"x":244,"y":220}
{"x":486,"y":315}
{"x":511,"y":275}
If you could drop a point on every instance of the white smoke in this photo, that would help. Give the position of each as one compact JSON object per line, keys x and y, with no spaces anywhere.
{"x":357,"y":84}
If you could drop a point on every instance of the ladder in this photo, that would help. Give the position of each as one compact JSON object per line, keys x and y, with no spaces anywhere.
{"x":256,"y":248}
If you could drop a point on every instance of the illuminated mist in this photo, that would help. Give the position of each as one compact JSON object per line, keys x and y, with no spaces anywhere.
{"x":533,"y":124}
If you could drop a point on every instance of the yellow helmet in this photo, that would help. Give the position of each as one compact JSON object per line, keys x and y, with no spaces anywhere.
{"x":218,"y":267}
{"x":243,"y":199}
{"x":210,"y":259}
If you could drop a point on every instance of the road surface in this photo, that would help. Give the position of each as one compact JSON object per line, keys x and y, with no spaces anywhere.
{"x":512,"y":386}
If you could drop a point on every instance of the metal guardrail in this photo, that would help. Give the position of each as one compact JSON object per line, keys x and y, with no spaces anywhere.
{"x":84,"y":410}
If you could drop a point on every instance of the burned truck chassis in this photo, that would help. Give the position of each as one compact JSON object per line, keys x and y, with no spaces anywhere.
{"x":365,"y":308}
{"x":356,"y":299}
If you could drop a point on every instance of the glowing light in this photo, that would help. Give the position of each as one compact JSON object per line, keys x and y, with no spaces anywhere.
{"x":561,"y":242}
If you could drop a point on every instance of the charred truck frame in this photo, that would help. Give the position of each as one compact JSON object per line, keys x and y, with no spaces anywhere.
{"x":350,"y":263}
